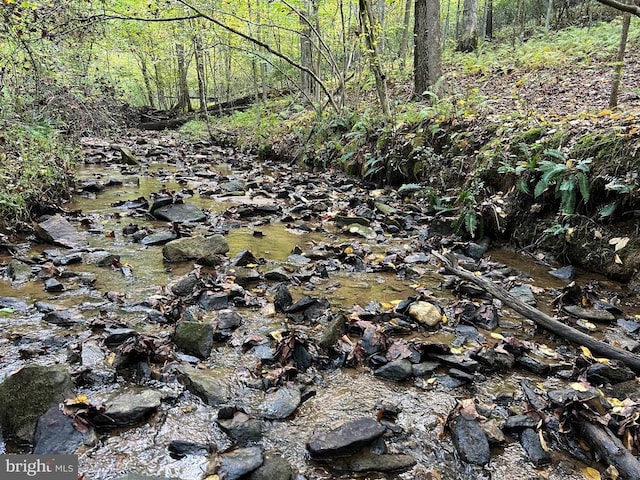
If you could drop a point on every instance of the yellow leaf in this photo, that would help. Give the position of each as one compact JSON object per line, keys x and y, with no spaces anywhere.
{"x":386,"y":306}
{"x":432,"y":380}
{"x":111,"y":358}
{"x":586,"y":352}
{"x":81,"y":399}
{"x":617,"y":259}
{"x":613,"y":472}
{"x":633,"y":130}
{"x":497,"y":336}
{"x":591,"y":473}
{"x":276,"y":335}
{"x":622,"y":243}
{"x":579,"y":387}
{"x":543,"y":442}
{"x":456,"y":350}
{"x":444,"y":318}
{"x":615,"y":116}
{"x":348,"y":250}
{"x":604,"y":112}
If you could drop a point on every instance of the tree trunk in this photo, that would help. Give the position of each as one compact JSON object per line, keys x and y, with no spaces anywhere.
{"x":547,"y":19}
{"x":617,"y":71}
{"x":184,"y":100}
{"x":468,"y":40}
{"x":306,"y":55}
{"x":404,"y":43}
{"x":488,"y":23}
{"x":369,"y":25}
{"x":427,"y":67}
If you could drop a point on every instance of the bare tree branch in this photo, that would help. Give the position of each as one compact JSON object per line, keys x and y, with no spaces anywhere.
{"x":267,"y":47}
{"x":624,"y":7}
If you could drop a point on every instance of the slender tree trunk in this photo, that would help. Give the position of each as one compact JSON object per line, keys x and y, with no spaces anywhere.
{"x":202,"y":80}
{"x":617,"y":72}
{"x":427,"y":62}
{"x":306,"y":54}
{"x":404,"y":43}
{"x":147,"y":81}
{"x":488,"y":27}
{"x":184,"y":99}
{"x":468,"y":41}
{"x":547,"y":19}
{"x":369,"y":25}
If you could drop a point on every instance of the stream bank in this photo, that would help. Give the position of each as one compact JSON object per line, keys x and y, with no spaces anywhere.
{"x":221,"y":315}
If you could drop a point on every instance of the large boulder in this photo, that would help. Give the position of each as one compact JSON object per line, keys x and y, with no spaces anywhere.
{"x":203,"y":250}
{"x":27,"y":394}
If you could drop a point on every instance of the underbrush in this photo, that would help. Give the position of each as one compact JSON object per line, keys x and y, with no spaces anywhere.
{"x":36,"y":165}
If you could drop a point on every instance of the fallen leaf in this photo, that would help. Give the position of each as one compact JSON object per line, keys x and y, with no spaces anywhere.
{"x":591,"y":473}
{"x":617,"y":259}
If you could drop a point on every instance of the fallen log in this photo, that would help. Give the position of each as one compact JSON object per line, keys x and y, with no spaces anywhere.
{"x":609,"y":449}
{"x":540,"y":318}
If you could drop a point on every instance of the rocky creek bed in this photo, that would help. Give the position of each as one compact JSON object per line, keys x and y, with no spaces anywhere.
{"x":196,"y":313}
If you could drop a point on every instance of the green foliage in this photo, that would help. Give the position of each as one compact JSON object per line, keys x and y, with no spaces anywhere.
{"x":35,"y":169}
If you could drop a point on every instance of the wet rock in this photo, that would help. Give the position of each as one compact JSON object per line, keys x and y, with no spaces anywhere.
{"x":117,"y":336}
{"x":601,"y":374}
{"x":492,"y":359}
{"x":13,"y":304}
{"x":470,"y":441}
{"x":477,"y":250}
{"x":425,"y":313}
{"x":241,"y":428}
{"x":228,"y":319}
{"x":194,"y":338}
{"x":530,"y":441}
{"x":52,"y":285}
{"x":129,"y":407}
{"x":210,"y":301}
{"x":520,"y":422}
{"x":591,"y":314}
{"x":362,"y":231}
{"x":274,"y":467}
{"x":342,"y":220}
{"x":533,"y":364}
{"x":493,"y":432}
{"x":55,"y":433}
{"x":238,"y":463}
{"x":59,"y":231}
{"x":282,"y":298}
{"x":524,"y":293}
{"x":278,"y":274}
{"x":233,"y":186}
{"x":68,"y":259}
{"x":281,"y":403}
{"x":419,"y":257}
{"x":332,"y":332}
{"x":345,"y":439}
{"x":302,"y":304}
{"x":27,"y":394}
{"x":565,"y":273}
{"x":396,"y":371}
{"x":159,"y":238}
{"x":245,"y":276}
{"x":127,"y":157}
{"x":370,"y":462}
{"x":179,"y":213}
{"x":160,"y":201}
{"x":185,"y":285}
{"x":203,"y":250}
{"x":424,"y":369}
{"x":209,"y":385}
{"x":100,"y":258}
{"x":64,"y":318}
{"x":458,"y":361}
{"x":296,"y":260}
{"x":94,"y":359}
{"x":244,"y":258}
{"x":18,"y":271}
{"x":181,"y":448}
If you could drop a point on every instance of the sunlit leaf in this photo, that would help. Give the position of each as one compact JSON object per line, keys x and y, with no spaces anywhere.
{"x":497,"y":336}
{"x":617,"y":259}
{"x":586,"y":352}
{"x":591,"y":473}
{"x":579,"y":387}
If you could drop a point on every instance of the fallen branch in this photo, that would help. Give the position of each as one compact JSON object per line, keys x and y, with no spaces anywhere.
{"x":610,"y":449}
{"x":540,"y":318}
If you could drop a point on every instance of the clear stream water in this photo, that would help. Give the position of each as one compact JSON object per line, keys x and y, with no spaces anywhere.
{"x":341,"y":395}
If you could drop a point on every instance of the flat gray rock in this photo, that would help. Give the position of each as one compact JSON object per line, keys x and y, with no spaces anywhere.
{"x":204,"y":250}
{"x":129,"y":407}
{"x":179,"y":212}
{"x":281,"y":403}
{"x":344,"y":439}
{"x":59,"y":231}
